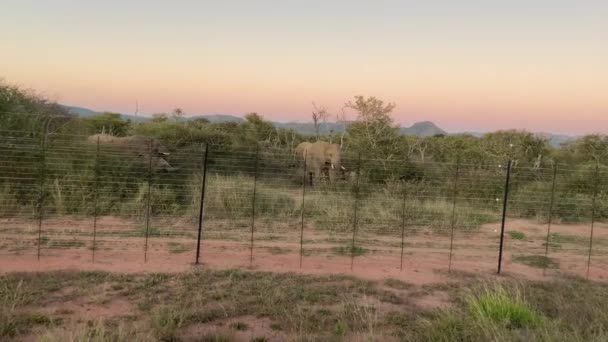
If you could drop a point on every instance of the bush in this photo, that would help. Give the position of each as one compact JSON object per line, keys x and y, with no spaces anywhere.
{"x":495,"y":305}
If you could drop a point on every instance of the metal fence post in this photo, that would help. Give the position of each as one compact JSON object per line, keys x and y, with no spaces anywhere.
{"x":302,"y":219}
{"x":95,"y":199}
{"x":593,"y":204}
{"x":356,"y":205}
{"x":42,"y":195}
{"x":453,"y":220}
{"x":148,"y":200}
{"x":403,"y":225}
{"x":255,"y":181}
{"x":201,"y":207}
{"x":550,"y":219}
{"x":504,"y":216}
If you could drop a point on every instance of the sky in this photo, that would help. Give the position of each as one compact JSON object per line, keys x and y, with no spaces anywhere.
{"x":465,"y":65}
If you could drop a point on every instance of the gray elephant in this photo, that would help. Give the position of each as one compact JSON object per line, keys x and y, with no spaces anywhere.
{"x":322,"y":158}
{"x":140,"y":146}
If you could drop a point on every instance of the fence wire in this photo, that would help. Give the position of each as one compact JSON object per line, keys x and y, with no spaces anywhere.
{"x":72,"y":196}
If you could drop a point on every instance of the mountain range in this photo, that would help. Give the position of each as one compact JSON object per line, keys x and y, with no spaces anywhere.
{"x":422,"y":129}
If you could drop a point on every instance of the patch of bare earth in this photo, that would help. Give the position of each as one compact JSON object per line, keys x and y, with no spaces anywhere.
{"x":119,"y":249}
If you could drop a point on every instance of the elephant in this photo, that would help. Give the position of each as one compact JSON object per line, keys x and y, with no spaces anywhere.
{"x":141,"y":146}
{"x":322,"y":158}
{"x":300,"y":152}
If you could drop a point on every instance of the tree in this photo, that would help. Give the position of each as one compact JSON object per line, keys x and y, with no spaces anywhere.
{"x":449,"y":148}
{"x":258,"y":129}
{"x":519,"y":146}
{"x":24,"y":110}
{"x":177,"y":114}
{"x":373,"y":132}
{"x":592,"y":147}
{"x":341,"y":119}
{"x":319,"y":115}
{"x":110,"y":123}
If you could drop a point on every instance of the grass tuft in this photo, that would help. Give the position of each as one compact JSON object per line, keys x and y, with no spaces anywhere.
{"x":176,"y":247}
{"x":496,"y":305}
{"x":539,"y":261}
{"x":350,"y":250}
{"x":516,"y":235}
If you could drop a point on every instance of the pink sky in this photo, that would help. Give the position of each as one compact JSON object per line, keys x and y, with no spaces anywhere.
{"x":539,"y":67}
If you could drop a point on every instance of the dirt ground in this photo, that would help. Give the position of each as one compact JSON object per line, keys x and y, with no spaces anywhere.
{"x":426,"y":256}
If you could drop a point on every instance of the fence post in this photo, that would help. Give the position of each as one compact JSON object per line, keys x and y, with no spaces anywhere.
{"x":504,"y":215}
{"x":303,"y":198}
{"x":95,"y":199}
{"x":201,"y":207}
{"x":453,"y":220}
{"x":403,"y":226}
{"x":550,"y":219}
{"x":41,"y":195}
{"x":148,"y":199}
{"x":255,"y":182}
{"x":593,"y":204}
{"x":356,"y":205}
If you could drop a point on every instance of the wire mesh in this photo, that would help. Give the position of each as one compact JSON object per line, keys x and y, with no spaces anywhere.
{"x":70,"y":196}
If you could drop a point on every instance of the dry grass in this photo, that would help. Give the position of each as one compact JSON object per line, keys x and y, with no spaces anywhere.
{"x":302,"y":308}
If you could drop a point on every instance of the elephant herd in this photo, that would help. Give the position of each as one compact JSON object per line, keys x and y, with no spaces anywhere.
{"x":320,"y":159}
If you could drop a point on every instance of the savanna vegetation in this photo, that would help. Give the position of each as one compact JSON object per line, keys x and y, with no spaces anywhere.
{"x":421,"y":174}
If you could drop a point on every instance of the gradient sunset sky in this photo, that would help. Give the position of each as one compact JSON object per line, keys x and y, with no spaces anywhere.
{"x":465,"y":65}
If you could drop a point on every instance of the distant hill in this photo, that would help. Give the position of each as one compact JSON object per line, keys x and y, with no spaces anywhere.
{"x":81,"y":111}
{"x":422,"y":129}
{"x":308,"y":128}
{"x":217,"y":118}
{"x":84,"y":112}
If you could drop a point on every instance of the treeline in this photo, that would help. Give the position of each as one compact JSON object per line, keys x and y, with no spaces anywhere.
{"x":373,"y":134}
{"x":426,"y":166}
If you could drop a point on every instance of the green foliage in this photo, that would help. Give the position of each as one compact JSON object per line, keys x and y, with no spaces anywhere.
{"x":374,"y":132}
{"x":560,"y":238}
{"x":592,"y":147}
{"x":109,"y":123}
{"x":495,"y":305}
{"x":233,"y":197}
{"x":539,"y":261}
{"x":350,"y":250}
{"x":516,"y":235}
{"x":425,"y":165}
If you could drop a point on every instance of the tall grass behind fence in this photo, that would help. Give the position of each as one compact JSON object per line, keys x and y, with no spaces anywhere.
{"x":62,"y":191}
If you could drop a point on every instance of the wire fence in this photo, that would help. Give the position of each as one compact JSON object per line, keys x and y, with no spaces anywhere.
{"x":77,"y":197}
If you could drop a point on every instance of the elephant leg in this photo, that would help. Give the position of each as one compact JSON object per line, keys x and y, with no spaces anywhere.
{"x":316,"y":174}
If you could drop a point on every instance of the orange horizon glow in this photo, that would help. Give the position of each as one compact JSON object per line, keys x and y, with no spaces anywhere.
{"x":538,"y":67}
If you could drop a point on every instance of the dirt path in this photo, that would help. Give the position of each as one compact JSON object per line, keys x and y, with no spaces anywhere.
{"x":425,"y":258}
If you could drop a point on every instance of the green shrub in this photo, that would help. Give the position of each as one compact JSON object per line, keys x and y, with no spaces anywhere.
{"x":495,"y":305}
